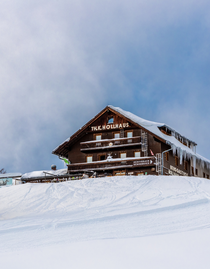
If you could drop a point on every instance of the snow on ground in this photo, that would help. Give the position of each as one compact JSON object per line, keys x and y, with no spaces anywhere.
{"x":114,"y":222}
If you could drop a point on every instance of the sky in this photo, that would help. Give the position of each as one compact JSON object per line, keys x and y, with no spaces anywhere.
{"x":62,"y":62}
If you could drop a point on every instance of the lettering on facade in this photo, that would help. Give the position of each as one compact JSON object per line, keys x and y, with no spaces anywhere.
{"x":110,"y":127}
{"x":142,"y":162}
{"x":176,"y":172}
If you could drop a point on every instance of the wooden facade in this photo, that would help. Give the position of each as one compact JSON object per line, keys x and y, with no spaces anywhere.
{"x":112,"y":143}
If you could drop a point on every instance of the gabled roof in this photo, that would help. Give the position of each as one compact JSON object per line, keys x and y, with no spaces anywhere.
{"x":149,"y":126}
{"x":63,"y":149}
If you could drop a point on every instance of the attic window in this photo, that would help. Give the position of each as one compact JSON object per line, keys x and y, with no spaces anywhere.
{"x":110,"y":120}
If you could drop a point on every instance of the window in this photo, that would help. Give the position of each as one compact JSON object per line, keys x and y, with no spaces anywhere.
{"x":204,"y":175}
{"x":110,"y":120}
{"x":116,"y":135}
{"x":98,"y":137}
{"x":89,"y":159}
{"x":137,"y":154}
{"x":176,"y":160}
{"x":196,"y":171}
{"x":102,"y":157}
{"x":185,"y":165}
{"x":167,"y":156}
{"x":98,"y":144}
{"x":123,"y":155}
{"x":140,"y":174}
{"x":129,"y":134}
{"x":120,"y":173}
{"x":207,"y":176}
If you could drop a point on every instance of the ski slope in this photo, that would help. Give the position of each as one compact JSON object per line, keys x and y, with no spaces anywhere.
{"x":115,"y":222}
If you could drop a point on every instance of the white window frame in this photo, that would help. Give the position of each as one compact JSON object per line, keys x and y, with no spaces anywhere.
{"x":89,"y":159}
{"x":118,"y":135}
{"x":98,"y":136}
{"x":123,"y":155}
{"x":128,"y":134}
{"x":137,"y":153}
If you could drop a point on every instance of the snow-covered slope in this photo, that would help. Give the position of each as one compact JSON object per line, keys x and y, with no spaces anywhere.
{"x":38,"y":218}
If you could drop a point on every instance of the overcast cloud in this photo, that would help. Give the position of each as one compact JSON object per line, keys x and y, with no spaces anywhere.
{"x":61,"y":62}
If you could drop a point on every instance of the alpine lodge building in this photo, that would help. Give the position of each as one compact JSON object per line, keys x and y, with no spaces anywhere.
{"x":117,"y":142}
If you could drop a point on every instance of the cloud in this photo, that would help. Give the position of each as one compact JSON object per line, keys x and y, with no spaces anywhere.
{"x":62,"y":62}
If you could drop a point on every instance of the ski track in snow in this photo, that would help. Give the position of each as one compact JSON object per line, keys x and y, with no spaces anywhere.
{"x":101,"y":208}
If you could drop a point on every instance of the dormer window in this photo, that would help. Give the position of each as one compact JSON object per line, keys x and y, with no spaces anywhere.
{"x":110,"y":120}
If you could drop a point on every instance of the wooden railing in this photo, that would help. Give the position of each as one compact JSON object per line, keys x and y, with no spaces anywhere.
{"x":110,"y":143}
{"x":112,"y":164}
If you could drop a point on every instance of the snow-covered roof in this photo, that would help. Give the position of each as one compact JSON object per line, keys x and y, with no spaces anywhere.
{"x":45,"y":173}
{"x":173,"y":138}
{"x":176,"y":145}
{"x":10,"y":175}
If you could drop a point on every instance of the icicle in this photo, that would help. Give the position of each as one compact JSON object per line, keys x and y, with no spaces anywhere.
{"x":181,"y":155}
{"x":184,"y":154}
{"x":173,"y":149}
{"x":194,"y":162}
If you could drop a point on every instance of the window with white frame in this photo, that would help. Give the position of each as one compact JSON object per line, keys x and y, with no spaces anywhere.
{"x":129,"y":134}
{"x":89,"y":159}
{"x":137,"y":154}
{"x":98,"y":137}
{"x":116,"y":135}
{"x":122,"y":155}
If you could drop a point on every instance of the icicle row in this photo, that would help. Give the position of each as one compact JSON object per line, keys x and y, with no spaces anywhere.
{"x":183,"y":154}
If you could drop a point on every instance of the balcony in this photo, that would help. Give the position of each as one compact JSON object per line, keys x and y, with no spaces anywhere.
{"x":112,"y":164}
{"x":109,"y":144}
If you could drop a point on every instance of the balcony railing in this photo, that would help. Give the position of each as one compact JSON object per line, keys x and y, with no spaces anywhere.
{"x":110,"y":143}
{"x":112,"y":164}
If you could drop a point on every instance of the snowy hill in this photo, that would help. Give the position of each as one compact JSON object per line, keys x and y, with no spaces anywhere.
{"x":108,"y":222}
